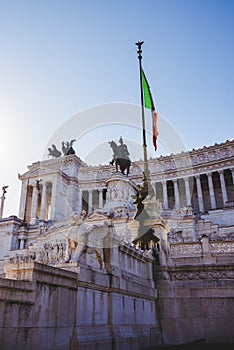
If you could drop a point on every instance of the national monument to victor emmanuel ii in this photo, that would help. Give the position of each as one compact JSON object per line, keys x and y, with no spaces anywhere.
{"x":120,"y":256}
{"x":90,"y":264}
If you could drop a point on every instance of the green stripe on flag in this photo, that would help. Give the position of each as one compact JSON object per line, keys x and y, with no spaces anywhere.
{"x":148,"y":101}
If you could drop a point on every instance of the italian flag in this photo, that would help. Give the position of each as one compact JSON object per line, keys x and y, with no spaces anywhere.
{"x":149,"y":104}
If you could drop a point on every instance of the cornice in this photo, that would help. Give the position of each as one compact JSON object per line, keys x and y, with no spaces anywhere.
{"x":197,"y":161}
{"x":11,"y":220}
{"x":51,"y":166}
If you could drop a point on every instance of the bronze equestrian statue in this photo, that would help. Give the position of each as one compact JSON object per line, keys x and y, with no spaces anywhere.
{"x":121,"y":156}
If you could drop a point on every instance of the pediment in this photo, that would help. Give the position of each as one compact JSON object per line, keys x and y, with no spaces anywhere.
{"x":30,"y":173}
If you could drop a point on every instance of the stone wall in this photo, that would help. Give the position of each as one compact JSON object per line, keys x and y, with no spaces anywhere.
{"x":196,"y":302}
{"x":52,"y":308}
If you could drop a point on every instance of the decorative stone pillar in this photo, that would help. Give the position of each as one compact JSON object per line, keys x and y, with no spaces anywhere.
{"x":100,"y":192}
{"x":211,"y":191}
{"x":176,"y":193}
{"x":165,"y":196}
{"x":206,"y":253}
{"x":80,"y":194}
{"x":199,"y":193}
{"x":53,"y":208}
{"x":23,"y":199}
{"x":33,"y":215}
{"x":155,"y":189}
{"x":120,"y":190}
{"x":187,"y":192}
{"x":90,"y":208}
{"x":22,"y":243}
{"x":223,"y":187}
{"x":43,"y":202}
{"x":232,"y":171}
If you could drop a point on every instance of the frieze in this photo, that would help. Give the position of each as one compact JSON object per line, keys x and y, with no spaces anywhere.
{"x":202,"y":275}
{"x":222,"y":247}
{"x":214,"y":274}
{"x":166,"y":163}
{"x":186,"y":160}
{"x":186,"y":250}
{"x":49,"y":254}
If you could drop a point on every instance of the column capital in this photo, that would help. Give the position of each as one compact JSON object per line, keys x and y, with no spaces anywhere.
{"x":197,"y":176}
{"x":209,"y":174}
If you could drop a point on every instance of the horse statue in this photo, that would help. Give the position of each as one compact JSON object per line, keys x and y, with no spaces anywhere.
{"x":54,"y":152}
{"x":120,"y":156}
{"x":67,"y":148}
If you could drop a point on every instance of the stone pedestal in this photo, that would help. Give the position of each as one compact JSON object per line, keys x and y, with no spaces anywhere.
{"x":119,"y":191}
{"x":151,"y":227}
{"x":153,"y":207}
{"x":134,"y":227}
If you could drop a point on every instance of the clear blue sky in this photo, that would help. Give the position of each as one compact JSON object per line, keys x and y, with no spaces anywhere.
{"x":61,"y":57}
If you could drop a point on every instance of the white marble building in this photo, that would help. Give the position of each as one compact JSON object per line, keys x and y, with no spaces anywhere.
{"x":192,"y":217}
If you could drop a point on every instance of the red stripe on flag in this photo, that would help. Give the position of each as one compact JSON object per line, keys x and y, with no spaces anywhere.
{"x":155,"y":128}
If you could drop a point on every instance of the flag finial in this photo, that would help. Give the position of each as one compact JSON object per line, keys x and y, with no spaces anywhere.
{"x":139,"y":51}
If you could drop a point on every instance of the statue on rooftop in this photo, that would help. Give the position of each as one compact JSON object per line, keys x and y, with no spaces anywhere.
{"x":67,"y":149}
{"x":54,"y":152}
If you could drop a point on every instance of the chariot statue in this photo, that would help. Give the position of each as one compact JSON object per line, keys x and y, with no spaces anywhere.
{"x":54,"y":152}
{"x":67,"y":149}
{"x":120,"y":156}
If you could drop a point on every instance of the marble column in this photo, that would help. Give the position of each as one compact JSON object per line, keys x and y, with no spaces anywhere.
{"x":165,"y":195}
{"x":211,"y":191}
{"x":53,"y":206}
{"x":232,"y":171}
{"x":33,"y":215}
{"x":90,"y":208}
{"x":223,"y":187}
{"x":100,"y":192}
{"x":43,"y":202}
{"x":22,"y":243}
{"x":80,"y":194}
{"x":23,"y":199}
{"x":187,"y":192}
{"x":199,"y":194}
{"x":155,"y":189}
{"x":176,"y":193}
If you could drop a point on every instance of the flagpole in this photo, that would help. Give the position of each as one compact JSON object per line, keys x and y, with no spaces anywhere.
{"x":146,"y":170}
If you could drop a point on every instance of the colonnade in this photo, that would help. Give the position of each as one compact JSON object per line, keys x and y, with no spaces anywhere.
{"x":203,"y":191}
{"x":36,"y":201}
{"x":90,"y":199}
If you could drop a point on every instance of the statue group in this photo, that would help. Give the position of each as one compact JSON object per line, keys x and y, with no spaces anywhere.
{"x":67,"y":149}
{"x":120,"y":156}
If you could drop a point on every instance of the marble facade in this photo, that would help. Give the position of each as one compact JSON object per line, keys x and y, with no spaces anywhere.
{"x":123,"y":297}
